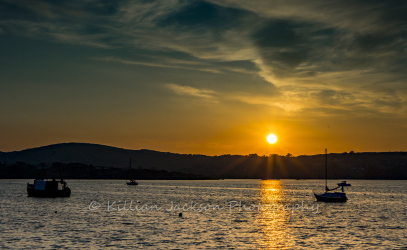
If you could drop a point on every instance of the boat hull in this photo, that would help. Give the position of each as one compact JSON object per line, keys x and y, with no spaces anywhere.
{"x":66,"y":192}
{"x":331,"y":197}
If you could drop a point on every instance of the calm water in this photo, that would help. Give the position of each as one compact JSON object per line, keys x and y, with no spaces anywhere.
{"x":226,"y":214}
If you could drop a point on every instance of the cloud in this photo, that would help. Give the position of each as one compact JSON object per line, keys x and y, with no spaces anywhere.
{"x":159,"y":65}
{"x":337,"y":57}
{"x":64,"y":33}
{"x":191,"y":91}
{"x":342,"y":54}
{"x":364,"y":16}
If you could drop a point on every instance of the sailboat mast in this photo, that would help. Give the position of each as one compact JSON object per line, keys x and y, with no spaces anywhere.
{"x":128,"y":170}
{"x":326,"y":168}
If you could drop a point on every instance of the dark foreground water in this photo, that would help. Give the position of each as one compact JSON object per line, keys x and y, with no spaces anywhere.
{"x":221,"y":214}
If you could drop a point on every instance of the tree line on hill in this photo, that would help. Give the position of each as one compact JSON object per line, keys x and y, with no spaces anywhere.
{"x":21,"y":170}
{"x":82,"y":160}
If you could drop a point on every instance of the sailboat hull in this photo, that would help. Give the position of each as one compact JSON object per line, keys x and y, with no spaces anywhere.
{"x":331,"y":197}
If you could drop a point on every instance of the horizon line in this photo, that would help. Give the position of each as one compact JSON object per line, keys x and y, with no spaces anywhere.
{"x":250,"y":154}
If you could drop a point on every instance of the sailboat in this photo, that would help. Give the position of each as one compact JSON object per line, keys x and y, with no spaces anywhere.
{"x":131,"y":182}
{"x":332,"y":196}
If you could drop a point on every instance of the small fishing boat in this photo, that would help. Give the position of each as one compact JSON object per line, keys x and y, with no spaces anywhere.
{"x":48,"y":188}
{"x":43,"y":187}
{"x":332,"y":196}
{"x":131,"y":182}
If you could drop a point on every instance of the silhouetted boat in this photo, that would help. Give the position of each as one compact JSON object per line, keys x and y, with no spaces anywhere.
{"x":48,"y":188}
{"x":131,"y":182}
{"x":45,"y":188}
{"x":332,"y":196}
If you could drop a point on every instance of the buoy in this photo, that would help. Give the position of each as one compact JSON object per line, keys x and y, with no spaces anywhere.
{"x":180,"y":214}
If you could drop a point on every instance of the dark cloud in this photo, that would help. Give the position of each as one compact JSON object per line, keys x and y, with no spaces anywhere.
{"x":298,"y":45}
{"x":281,"y":44}
{"x":285,"y":45}
{"x":200,"y":15}
{"x":279,"y":34}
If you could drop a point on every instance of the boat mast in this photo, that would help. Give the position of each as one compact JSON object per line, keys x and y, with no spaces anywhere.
{"x":326,"y":169}
{"x":128,"y":171}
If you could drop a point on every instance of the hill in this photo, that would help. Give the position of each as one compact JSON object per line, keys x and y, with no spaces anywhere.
{"x":387,"y":165}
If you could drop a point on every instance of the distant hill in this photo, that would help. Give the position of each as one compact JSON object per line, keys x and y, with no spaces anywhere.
{"x":388,"y":165}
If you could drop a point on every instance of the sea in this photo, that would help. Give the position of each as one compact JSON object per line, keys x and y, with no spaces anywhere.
{"x":205,"y":214}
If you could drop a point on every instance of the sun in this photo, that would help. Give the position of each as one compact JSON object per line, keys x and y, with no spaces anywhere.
{"x":272,"y":138}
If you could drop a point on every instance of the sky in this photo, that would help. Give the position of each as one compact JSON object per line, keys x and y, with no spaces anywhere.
{"x":205,"y":77}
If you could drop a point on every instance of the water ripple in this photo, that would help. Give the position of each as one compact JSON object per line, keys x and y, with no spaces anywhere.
{"x":251,"y":214}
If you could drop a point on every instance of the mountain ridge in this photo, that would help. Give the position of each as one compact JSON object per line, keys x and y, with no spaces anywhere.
{"x":367,"y":165}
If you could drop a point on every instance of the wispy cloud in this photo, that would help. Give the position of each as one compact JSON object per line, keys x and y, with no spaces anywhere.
{"x":151,"y":64}
{"x":191,"y":91}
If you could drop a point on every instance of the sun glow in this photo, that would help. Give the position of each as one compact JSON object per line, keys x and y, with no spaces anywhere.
{"x":272,"y":138}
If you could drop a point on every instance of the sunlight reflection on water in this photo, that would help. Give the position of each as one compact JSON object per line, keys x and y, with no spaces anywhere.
{"x":227,"y":214}
{"x":272,"y":217}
